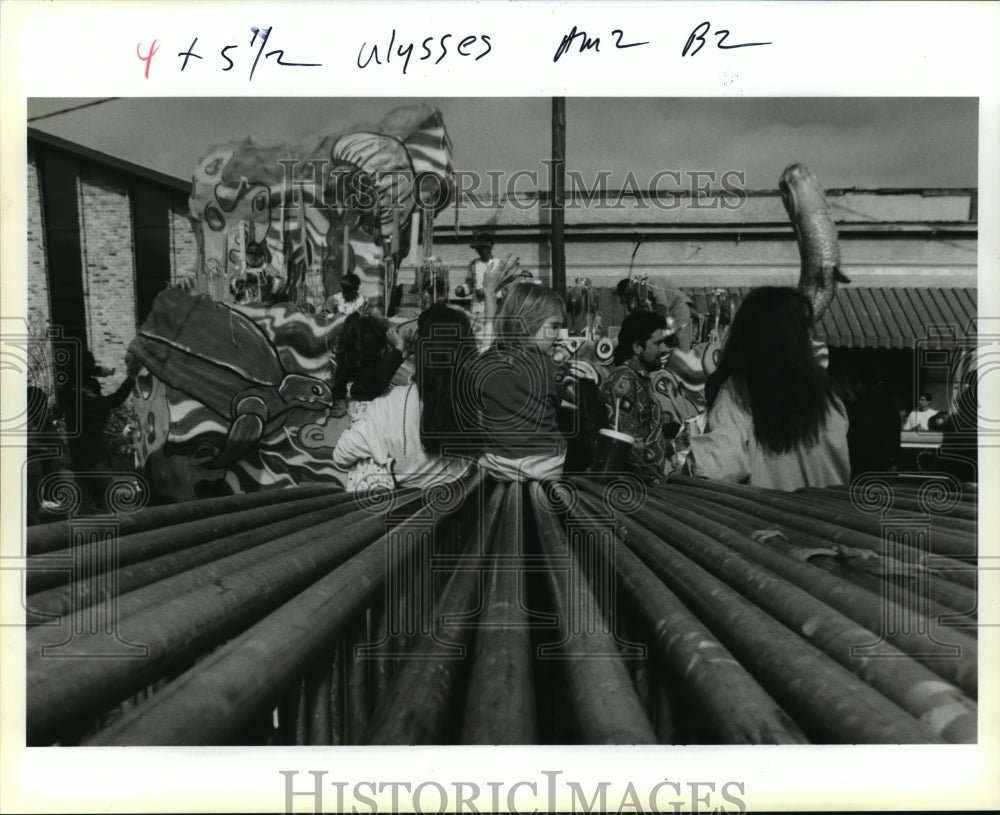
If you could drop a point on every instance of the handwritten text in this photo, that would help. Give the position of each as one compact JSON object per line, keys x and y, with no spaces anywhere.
{"x":586,"y":43}
{"x":472,"y":45}
{"x":228,"y":55}
{"x":698,"y":36}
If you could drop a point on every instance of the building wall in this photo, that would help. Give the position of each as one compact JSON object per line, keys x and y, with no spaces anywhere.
{"x":913,"y":261}
{"x":39,"y":314}
{"x":911,"y":238}
{"x":108,"y":267}
{"x":107,"y":245}
{"x":183,"y":247}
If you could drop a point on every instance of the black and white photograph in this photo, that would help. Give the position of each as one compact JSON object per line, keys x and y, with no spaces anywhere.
{"x":648,"y":423}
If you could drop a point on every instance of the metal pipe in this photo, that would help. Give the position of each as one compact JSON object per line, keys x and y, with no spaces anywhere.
{"x":598,"y":686}
{"x":943,"y":542}
{"x":318,"y":685}
{"x":175,"y":631}
{"x":356,"y":683}
{"x":51,"y":536}
{"x":838,"y":528}
{"x":211,"y":701}
{"x":419,"y":700}
{"x":739,"y":709}
{"x":947,"y":711}
{"x":946,"y":599}
{"x":500,"y":701}
{"x":830,"y":702}
{"x":82,"y":593}
{"x":968,"y":494}
{"x":338,"y":714}
{"x":151,"y":543}
{"x":120,"y":607}
{"x":960,"y":519}
{"x":290,"y":715}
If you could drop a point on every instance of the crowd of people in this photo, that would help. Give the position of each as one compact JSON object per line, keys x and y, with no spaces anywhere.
{"x":487,"y":391}
{"x":774,"y":417}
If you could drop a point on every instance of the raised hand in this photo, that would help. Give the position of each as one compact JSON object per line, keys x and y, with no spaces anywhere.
{"x":500,"y":274}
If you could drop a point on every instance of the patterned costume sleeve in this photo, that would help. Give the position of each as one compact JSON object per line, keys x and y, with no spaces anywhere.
{"x":623,"y":387}
{"x":619,"y":389}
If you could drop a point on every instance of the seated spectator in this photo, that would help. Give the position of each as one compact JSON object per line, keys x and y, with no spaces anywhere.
{"x":411,"y":431}
{"x":517,"y":384}
{"x":368,"y":355}
{"x":778,"y":421}
{"x":348,"y":300}
{"x":627,"y":392}
{"x":919,"y":417}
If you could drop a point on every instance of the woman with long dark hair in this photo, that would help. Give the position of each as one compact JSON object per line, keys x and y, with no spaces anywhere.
{"x":414,"y":430}
{"x":778,"y":421}
{"x":367,"y":357}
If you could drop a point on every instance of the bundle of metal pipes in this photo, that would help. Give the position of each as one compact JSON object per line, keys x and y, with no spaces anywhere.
{"x":581,"y":611}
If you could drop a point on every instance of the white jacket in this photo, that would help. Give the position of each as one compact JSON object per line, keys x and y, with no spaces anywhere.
{"x":728,"y":451}
{"x":389,"y":434}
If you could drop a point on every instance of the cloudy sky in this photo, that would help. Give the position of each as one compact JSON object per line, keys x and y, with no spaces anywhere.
{"x":847,"y":142}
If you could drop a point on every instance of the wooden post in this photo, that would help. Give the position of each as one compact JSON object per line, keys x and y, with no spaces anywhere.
{"x":557,"y":191}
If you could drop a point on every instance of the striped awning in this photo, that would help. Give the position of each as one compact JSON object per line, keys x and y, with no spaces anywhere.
{"x":861,"y":317}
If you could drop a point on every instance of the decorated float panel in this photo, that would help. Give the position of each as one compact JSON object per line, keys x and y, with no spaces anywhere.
{"x":287,"y":222}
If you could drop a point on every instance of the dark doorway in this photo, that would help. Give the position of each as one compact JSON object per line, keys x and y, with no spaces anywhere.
{"x":58,"y":177}
{"x":150,"y":219}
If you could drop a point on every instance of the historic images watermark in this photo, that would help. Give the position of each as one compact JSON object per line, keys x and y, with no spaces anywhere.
{"x":915,"y":550}
{"x":528,"y":795}
{"x":321,"y":183}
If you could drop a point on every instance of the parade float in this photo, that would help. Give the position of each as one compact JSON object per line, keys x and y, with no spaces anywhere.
{"x":234,"y":364}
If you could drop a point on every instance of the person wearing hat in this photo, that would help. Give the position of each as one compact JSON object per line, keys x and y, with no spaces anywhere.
{"x":478,"y":268}
{"x":347,"y":300}
{"x":638,"y":294}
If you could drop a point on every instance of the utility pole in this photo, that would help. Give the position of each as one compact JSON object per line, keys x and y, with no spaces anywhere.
{"x":557,"y":192}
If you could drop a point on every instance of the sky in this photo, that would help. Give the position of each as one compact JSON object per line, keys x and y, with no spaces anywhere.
{"x":871,"y":143}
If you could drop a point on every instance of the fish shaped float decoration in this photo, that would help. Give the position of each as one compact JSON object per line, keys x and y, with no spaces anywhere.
{"x":816,"y":234}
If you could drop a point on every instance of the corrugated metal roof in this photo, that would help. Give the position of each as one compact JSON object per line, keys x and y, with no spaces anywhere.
{"x":870,"y":317}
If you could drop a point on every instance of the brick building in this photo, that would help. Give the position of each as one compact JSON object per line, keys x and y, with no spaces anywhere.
{"x":104,"y":237}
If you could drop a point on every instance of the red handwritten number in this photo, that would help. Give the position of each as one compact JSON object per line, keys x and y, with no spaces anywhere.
{"x":148,"y":59}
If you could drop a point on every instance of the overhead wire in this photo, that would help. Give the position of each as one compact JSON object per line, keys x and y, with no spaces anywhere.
{"x":70,"y":109}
